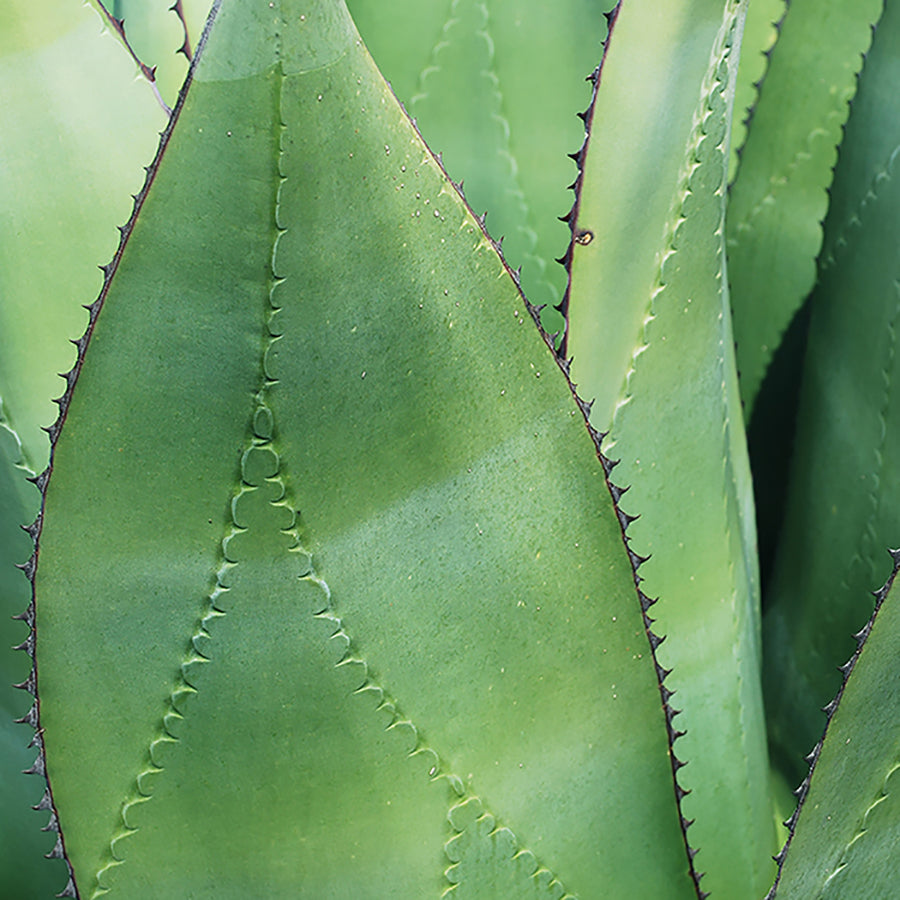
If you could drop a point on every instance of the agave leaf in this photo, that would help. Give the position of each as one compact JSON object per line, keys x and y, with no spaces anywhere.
{"x":779,"y":197}
{"x":74,"y":109}
{"x":843,"y":504}
{"x":438,"y":673}
{"x":760,"y":34}
{"x":156,"y":34}
{"x":651,"y":340}
{"x":402,"y":36}
{"x":498,"y":96}
{"x":24,"y":872}
{"x":843,"y":840}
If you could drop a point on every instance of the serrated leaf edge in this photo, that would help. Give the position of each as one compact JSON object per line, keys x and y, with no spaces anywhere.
{"x":747,"y":121}
{"x":41,"y":480}
{"x":830,"y":709}
{"x":579,"y":156}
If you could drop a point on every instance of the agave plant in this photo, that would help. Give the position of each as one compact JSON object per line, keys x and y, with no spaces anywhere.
{"x":330,"y":579}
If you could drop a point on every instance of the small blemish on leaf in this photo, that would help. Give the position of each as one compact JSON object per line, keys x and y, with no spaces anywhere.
{"x":584,"y":237}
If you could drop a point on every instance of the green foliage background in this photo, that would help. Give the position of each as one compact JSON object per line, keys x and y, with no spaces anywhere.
{"x":339,"y":592}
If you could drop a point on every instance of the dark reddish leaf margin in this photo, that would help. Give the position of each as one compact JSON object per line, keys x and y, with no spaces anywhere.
{"x":812,"y":758}
{"x":71,"y":377}
{"x":571,"y":217}
{"x":30,"y":684}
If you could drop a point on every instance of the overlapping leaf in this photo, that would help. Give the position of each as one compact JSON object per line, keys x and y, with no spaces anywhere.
{"x":25,"y":873}
{"x":779,"y":197}
{"x":74,"y":113}
{"x":650,"y":337}
{"x":76,"y":130}
{"x":495,"y":88}
{"x":760,"y":34}
{"x":844,"y":835}
{"x":842,"y":506}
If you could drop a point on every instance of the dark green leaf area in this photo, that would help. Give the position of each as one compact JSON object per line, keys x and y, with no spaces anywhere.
{"x":779,"y":197}
{"x":25,"y":872}
{"x":138,"y":498}
{"x":842,"y":510}
{"x":846,"y":835}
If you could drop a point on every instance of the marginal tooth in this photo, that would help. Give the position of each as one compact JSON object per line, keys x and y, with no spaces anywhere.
{"x":57,"y":851}
{"x":45,"y":803}
{"x":30,"y":718}
{"x":38,"y":768}
{"x":69,"y":889}
{"x":29,"y":684}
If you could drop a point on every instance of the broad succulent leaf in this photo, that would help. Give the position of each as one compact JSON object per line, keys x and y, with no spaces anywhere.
{"x":842,"y":509}
{"x":357,"y":618}
{"x":496,"y":87}
{"x":650,"y":336}
{"x":844,"y":834}
{"x":779,"y":197}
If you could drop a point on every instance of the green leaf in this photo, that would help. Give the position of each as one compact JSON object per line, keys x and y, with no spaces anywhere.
{"x":779,"y":197}
{"x":76,"y":129}
{"x":650,"y":336}
{"x":24,"y":871}
{"x":842,"y":509}
{"x":760,"y":34}
{"x":73,"y":112}
{"x":498,"y":95}
{"x":155,"y":33}
{"x":286,"y":704}
{"x":844,"y":834}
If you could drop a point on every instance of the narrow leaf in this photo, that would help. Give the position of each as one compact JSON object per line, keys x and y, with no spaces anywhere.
{"x":843,"y":504}
{"x":760,"y":33}
{"x":650,"y":336}
{"x":843,"y":838}
{"x":779,"y":198}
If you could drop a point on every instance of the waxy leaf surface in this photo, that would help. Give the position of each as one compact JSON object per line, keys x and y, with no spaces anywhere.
{"x":842,"y":510}
{"x":76,"y":130}
{"x":844,"y":839}
{"x":496,"y":87}
{"x":73,"y":108}
{"x":331,"y":584}
{"x":779,"y":197}
{"x":24,"y":871}
{"x":650,"y":336}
